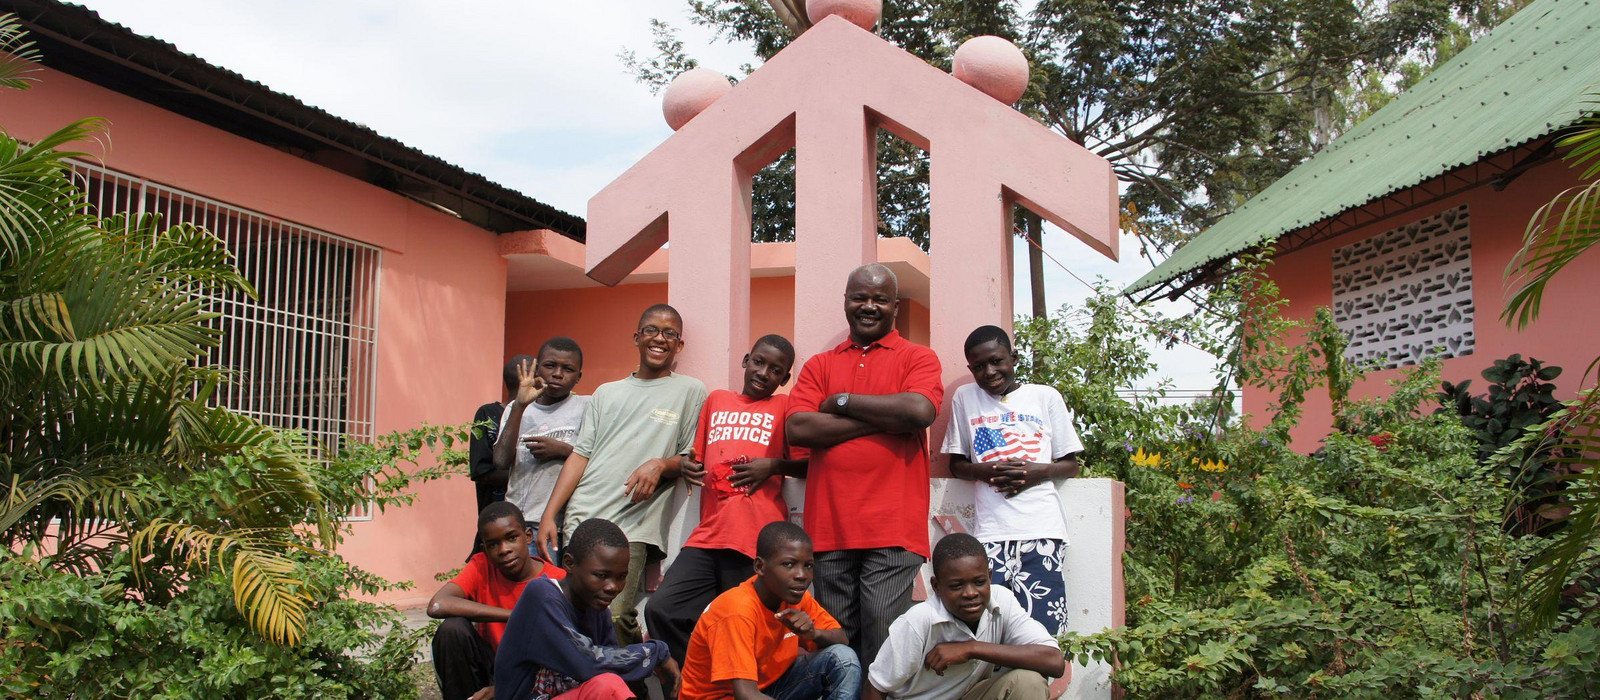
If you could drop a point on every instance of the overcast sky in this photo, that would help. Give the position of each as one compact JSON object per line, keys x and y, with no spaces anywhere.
{"x":530,"y":93}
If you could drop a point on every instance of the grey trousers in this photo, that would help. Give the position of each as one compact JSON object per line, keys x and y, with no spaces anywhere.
{"x":1015,"y":684}
{"x":865,"y":590}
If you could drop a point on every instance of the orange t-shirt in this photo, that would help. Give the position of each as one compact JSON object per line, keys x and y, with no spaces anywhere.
{"x":738,"y":637}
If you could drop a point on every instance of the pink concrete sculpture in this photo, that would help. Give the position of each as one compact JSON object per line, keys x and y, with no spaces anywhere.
{"x":862,"y":13}
{"x":826,"y":96}
{"x":691,"y":93}
{"x":994,"y":66}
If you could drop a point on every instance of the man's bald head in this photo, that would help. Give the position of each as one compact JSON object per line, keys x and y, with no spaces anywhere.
{"x":872,"y":275}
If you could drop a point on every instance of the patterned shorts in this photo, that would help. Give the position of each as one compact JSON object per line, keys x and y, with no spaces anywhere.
{"x":1032,"y":569}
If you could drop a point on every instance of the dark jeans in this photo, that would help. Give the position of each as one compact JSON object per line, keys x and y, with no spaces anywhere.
{"x":695,"y":578}
{"x":462,"y":660}
{"x":833,"y":673}
{"x":865,"y":590}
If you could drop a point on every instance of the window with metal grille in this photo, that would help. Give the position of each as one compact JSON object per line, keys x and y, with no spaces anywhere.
{"x":304,"y":349}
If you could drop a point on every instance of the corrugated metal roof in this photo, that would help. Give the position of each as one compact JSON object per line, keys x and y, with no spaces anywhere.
{"x":1521,"y":82}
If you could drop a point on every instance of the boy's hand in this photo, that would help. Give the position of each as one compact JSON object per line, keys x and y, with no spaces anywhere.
{"x":946,"y":655}
{"x":486,"y":694}
{"x":546,"y":448}
{"x":751,"y":475}
{"x":641,"y":485}
{"x":546,"y":539}
{"x":991,"y":473}
{"x":691,"y":471}
{"x":529,"y":385}
{"x":669,"y":674}
{"x":1021,"y":476}
{"x":798,"y":622}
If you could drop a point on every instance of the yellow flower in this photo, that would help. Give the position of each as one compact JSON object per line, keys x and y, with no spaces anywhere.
{"x":1212,"y":465}
{"x":1147,"y":460}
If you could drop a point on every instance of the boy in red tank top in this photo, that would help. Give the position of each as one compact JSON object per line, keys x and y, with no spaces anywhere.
{"x":740,"y":461}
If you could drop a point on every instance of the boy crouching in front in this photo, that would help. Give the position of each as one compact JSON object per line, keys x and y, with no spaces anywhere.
{"x":747,"y":645}
{"x":560,"y":642}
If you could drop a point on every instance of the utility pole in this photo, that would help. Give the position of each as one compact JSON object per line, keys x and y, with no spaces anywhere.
{"x":1036,"y":263}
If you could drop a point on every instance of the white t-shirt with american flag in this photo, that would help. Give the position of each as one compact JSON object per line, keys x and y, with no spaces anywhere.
{"x":1031,"y":424}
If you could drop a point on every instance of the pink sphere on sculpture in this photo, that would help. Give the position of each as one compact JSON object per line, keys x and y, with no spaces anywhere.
{"x":862,"y":13}
{"x":994,"y":66}
{"x":691,"y":93}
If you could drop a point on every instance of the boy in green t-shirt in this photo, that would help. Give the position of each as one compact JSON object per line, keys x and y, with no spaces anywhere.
{"x":634,"y":432}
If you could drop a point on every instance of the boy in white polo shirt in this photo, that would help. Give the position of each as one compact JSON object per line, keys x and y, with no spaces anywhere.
{"x":1016,"y":440}
{"x":966,"y":642}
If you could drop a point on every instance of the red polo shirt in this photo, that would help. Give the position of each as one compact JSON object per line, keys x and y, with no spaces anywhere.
{"x":870,"y":492}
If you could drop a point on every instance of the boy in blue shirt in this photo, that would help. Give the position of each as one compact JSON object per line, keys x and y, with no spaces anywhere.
{"x":560,"y":641}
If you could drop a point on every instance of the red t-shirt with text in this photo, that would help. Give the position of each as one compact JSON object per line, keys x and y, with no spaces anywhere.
{"x":871,"y":492}
{"x":734,"y":426}
{"x":481,"y":582}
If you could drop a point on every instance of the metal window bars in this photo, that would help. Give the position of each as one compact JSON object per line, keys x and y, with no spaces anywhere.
{"x":305,"y":349}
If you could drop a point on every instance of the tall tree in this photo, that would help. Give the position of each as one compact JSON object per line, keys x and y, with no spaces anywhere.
{"x":1198,"y":104}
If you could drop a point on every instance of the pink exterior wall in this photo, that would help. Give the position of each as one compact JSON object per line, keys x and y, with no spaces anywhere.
{"x":602,"y":320}
{"x":441,"y":289}
{"x":1566,"y":333}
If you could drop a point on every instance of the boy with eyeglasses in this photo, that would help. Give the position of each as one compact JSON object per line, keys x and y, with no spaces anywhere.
{"x":634,"y":433}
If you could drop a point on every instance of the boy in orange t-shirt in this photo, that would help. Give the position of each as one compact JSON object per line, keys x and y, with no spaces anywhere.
{"x":747,"y":644}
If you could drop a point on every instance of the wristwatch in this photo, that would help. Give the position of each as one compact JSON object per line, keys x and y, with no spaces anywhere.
{"x":842,"y":401}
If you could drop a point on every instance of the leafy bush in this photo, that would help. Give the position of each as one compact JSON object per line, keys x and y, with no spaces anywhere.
{"x":1375,"y":567}
{"x":1520,"y":398}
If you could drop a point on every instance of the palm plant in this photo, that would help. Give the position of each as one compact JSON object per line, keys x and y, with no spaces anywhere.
{"x":1562,"y":230}
{"x":104,"y":392}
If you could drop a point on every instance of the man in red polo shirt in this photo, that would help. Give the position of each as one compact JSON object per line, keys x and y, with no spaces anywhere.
{"x":863,"y":408}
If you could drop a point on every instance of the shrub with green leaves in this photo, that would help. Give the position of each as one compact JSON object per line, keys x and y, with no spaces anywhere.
{"x":1377,"y":566}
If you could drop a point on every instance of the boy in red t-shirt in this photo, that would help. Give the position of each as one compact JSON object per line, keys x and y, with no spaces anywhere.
{"x":740,"y":461}
{"x":748,"y":643}
{"x":484,"y":592}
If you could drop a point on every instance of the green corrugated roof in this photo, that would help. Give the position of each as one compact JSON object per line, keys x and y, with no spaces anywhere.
{"x":1521,"y":82}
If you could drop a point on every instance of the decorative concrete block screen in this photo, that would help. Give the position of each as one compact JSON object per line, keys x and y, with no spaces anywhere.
{"x":1405,"y":294}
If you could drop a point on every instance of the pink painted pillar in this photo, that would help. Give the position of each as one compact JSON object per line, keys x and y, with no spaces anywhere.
{"x":709,"y":272}
{"x":836,"y":217}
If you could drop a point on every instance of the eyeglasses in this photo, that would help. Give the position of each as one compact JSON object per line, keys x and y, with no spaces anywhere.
{"x":652,"y":331}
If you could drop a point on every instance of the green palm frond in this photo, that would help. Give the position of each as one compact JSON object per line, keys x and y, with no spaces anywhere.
{"x":18,"y":55}
{"x":189,"y":253}
{"x":69,"y":499}
{"x":1559,"y":232}
{"x":1552,"y":568}
{"x":266,"y":588}
{"x":36,"y":191}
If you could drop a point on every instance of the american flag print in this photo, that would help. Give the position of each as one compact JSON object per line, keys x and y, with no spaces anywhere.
{"x":1009,"y":441}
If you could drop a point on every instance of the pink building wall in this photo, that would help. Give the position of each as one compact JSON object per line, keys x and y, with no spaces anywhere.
{"x":1566,"y":334}
{"x":441,"y":288}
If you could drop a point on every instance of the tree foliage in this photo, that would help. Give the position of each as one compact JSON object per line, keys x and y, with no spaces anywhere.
{"x":1198,"y":104}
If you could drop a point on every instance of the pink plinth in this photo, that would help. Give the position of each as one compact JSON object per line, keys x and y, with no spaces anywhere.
{"x":862,"y":13}
{"x":691,"y":93}
{"x":992,"y":65}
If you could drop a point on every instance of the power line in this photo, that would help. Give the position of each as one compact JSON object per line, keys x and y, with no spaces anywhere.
{"x":1133,"y":311}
